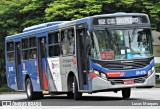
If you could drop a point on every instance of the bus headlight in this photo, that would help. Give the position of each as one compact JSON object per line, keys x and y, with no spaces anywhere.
{"x":97,"y":72}
{"x":151,"y":71}
{"x":103,"y":76}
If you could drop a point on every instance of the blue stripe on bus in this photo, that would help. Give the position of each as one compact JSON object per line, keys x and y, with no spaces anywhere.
{"x":44,"y":34}
{"x":17,"y":40}
{"x":129,"y":72}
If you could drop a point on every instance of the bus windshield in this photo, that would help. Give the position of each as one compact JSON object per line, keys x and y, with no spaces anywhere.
{"x":121,"y":44}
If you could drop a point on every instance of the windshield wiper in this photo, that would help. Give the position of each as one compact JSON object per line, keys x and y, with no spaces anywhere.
{"x":111,"y":36}
{"x":133,"y":34}
{"x":129,"y":39}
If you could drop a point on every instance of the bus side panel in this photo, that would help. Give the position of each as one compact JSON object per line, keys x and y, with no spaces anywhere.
{"x":67,"y":66}
{"x":29,"y":67}
{"x":11,"y":75}
{"x":54,"y":67}
{"x":21,"y":78}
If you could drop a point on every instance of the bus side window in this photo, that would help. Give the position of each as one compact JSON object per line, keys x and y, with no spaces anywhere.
{"x":25,"y":49}
{"x":68,"y":42}
{"x":54,"y":44}
{"x":71,"y":41}
{"x":32,"y":43}
{"x":10,"y":51}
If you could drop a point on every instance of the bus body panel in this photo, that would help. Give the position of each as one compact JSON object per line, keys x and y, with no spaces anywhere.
{"x":99,"y":84}
{"x":11,"y":75}
{"x":85,"y":20}
{"x":54,"y":67}
{"x":30,"y":68}
{"x":66,"y":66}
{"x":132,"y":74}
{"x":21,"y":78}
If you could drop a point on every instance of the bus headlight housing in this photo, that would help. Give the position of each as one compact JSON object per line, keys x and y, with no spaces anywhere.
{"x":102,"y":75}
{"x":97,"y":72}
{"x":151,"y":71}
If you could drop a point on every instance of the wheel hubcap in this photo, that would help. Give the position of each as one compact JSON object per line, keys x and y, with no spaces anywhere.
{"x":28,"y":89}
{"x":73,"y":87}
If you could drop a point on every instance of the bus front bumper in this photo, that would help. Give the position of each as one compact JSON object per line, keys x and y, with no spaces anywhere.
{"x":101,"y":84}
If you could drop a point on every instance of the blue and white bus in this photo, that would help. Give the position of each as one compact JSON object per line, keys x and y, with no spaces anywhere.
{"x":109,"y":52}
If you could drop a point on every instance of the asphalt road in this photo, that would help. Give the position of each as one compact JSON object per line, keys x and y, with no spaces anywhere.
{"x":98,"y":99}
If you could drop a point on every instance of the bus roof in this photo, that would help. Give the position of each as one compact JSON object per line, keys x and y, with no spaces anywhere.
{"x":42,"y":25}
{"x":50,"y":26}
{"x":120,"y":14}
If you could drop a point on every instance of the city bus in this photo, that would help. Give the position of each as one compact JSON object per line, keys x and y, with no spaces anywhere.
{"x":108,"y":52}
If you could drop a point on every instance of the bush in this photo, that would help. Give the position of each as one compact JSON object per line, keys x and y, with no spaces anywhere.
{"x":158,"y":81}
{"x":157,"y":64}
{"x":6,"y":89}
{"x":157,"y":67}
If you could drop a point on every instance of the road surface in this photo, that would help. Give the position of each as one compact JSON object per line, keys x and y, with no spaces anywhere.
{"x":138,"y":96}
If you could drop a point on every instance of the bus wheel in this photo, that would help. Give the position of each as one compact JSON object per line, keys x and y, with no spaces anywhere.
{"x":29,"y":91}
{"x":40,"y":95}
{"x":77,"y":95}
{"x":70,"y":95}
{"x":126,"y":93}
{"x":70,"y":82}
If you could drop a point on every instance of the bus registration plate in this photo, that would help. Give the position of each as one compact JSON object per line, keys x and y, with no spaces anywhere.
{"x":128,"y":81}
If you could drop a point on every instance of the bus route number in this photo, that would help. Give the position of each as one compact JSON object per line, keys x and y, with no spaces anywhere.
{"x":10,"y":69}
{"x":101,"y":21}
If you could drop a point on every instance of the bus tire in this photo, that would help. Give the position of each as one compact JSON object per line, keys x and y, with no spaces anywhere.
{"x":40,"y":95}
{"x":126,"y":93}
{"x":77,"y":95}
{"x":70,"y":95}
{"x":29,"y":90}
{"x":30,"y":93}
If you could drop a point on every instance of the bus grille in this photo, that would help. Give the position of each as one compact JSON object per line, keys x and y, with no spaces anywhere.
{"x":124,"y":64}
{"x":120,"y":81}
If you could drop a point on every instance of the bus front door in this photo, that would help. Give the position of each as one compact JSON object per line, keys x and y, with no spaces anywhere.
{"x":18,"y":65}
{"x":82,"y":58}
{"x":42,"y":63}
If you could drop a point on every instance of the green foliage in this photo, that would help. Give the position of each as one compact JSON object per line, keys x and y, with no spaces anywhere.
{"x":157,"y":64}
{"x":157,"y":67}
{"x":72,"y":9}
{"x":5,"y":88}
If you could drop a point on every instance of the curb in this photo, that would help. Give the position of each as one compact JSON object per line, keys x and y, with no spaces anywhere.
{"x":12,"y":92}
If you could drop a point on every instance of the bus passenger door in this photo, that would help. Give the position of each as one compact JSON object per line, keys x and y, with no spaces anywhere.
{"x":82,"y":61}
{"x":42,"y":66}
{"x":18,"y":65}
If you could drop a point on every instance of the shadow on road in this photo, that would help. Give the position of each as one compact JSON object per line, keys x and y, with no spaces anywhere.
{"x":92,"y":98}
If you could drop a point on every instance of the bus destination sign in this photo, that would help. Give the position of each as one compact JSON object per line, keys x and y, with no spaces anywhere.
{"x":116,"y":21}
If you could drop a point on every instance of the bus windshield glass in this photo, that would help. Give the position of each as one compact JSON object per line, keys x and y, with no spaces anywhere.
{"x":121,"y":44}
